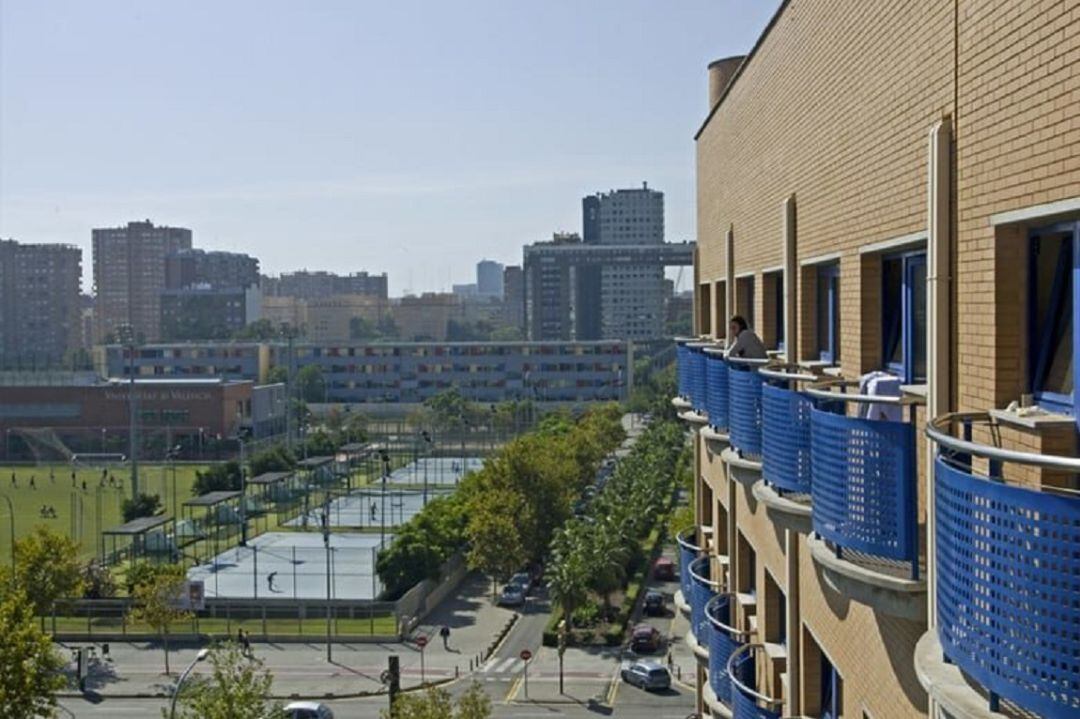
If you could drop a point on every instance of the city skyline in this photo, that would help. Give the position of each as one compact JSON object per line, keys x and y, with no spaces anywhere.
{"x":323,"y":143}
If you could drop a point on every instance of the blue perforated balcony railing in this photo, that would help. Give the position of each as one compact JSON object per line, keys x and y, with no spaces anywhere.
{"x":682,"y":358}
{"x":744,"y":406}
{"x":702,"y":589}
{"x":746,"y":701}
{"x":688,"y":552}
{"x":699,"y":382}
{"x":1008,"y":573}
{"x":724,"y":640}
{"x":785,"y":438}
{"x":716,"y":396}
{"x":863,"y":480}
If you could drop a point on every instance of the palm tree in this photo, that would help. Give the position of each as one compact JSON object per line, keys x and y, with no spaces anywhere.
{"x":568,"y":575}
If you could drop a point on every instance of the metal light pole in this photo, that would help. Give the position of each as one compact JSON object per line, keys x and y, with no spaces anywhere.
{"x":11,"y":515}
{"x":326,"y":544}
{"x":243,"y":491}
{"x":127,"y":334}
{"x":382,"y":512}
{"x":427,"y":438}
{"x":203,"y":653}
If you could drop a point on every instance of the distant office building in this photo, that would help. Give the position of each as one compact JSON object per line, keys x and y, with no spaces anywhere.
{"x":217,"y":270}
{"x":425,"y":318}
{"x":579,"y":291}
{"x":464,"y":290}
{"x":284,"y":310}
{"x":208,"y":295}
{"x":40,"y":312}
{"x":514,"y":297}
{"x":335,"y":318}
{"x":631,"y":296}
{"x":310,"y":285}
{"x":489,"y":278}
{"x":405,"y":372}
{"x":129,"y":275}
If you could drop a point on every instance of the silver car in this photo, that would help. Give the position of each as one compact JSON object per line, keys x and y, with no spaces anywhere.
{"x":649,"y":675}
{"x":308,"y":710}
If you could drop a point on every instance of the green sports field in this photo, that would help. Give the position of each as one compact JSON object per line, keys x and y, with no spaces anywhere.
{"x":82,"y":513}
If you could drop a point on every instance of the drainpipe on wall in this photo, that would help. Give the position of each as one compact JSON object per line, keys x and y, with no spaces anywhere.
{"x":791,"y":275}
{"x":729,"y":275}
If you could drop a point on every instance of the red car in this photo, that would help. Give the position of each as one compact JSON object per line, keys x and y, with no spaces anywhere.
{"x":645,"y":638}
{"x":664,"y":570}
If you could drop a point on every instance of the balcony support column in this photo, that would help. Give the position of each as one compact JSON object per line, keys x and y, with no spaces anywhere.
{"x":939,"y":322}
{"x":729,"y":275}
{"x":791,"y":274}
{"x":793,"y":630}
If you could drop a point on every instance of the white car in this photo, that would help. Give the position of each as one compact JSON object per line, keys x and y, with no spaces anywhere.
{"x":308,"y":710}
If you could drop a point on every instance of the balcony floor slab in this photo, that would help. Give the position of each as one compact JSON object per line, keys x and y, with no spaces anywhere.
{"x":691,"y":417}
{"x":871,"y":585}
{"x":949,"y":688}
{"x":784,"y":511}
{"x":743,"y":470}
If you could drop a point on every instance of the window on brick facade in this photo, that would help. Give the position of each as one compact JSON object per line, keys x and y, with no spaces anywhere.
{"x":744,"y":299}
{"x":903,"y":318}
{"x":1054,"y":317}
{"x":828,"y":313}
{"x":772,"y":330}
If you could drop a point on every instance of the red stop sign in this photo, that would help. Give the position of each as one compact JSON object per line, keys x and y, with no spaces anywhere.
{"x":421,"y":642}
{"x":525,"y":655}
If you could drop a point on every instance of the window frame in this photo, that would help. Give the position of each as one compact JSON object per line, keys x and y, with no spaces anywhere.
{"x":904,"y":315}
{"x":829,"y":273}
{"x":1041,"y":339}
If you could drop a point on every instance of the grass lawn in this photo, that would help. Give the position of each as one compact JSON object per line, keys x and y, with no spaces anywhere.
{"x":82,"y":514}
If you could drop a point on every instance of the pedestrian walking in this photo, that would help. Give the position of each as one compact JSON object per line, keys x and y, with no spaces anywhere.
{"x":33,"y":482}
{"x":444,"y":632}
{"x":73,"y":479}
{"x":14,"y":482}
{"x":270,"y":581}
{"x":52,"y":476}
{"x":374,"y":509}
{"x":84,"y":485}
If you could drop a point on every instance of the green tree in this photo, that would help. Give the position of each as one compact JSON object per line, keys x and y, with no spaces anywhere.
{"x":237,"y":688}
{"x":217,"y":478}
{"x":259,"y":330}
{"x":436,"y":703}
{"x":156,"y":603}
{"x":97,"y":581}
{"x":507,"y":334}
{"x":449,"y":409}
{"x":47,"y":568}
{"x":568,"y":576}
{"x":310,"y":384}
{"x":143,"y":505}
{"x":274,"y":459}
{"x":30,"y":668}
{"x":278,"y":374}
{"x":495,"y":546}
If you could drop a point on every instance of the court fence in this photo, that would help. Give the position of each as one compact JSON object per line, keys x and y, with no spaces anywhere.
{"x":266,"y":620}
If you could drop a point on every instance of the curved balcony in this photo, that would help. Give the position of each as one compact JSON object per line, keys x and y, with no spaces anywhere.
{"x":724,"y":640}
{"x":688,"y":552}
{"x":746,"y":701}
{"x":864,"y":491}
{"x":716,"y":391}
{"x":744,"y":407}
{"x":702,"y":589}
{"x":1008,"y":582}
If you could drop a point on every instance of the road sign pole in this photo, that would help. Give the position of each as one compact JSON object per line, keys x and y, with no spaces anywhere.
{"x":423,"y":678}
{"x":526,"y":655}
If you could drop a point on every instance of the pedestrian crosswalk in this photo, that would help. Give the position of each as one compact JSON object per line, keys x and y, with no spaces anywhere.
{"x":502,"y":666}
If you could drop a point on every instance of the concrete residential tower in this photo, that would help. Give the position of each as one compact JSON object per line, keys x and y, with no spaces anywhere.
{"x":129,"y":275}
{"x":39,"y":303}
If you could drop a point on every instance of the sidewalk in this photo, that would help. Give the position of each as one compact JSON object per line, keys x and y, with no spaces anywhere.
{"x":301,"y":669}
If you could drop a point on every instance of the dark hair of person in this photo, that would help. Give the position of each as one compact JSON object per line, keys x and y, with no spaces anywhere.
{"x":740,"y":321}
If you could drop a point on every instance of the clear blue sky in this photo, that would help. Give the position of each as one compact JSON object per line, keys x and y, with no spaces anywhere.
{"x":400,"y":136}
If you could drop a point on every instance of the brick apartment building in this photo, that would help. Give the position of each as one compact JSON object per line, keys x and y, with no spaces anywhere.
{"x":129,"y":276}
{"x":40,"y":311}
{"x":892,"y":187}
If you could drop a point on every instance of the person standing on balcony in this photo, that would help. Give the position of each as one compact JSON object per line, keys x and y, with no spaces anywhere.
{"x":744,"y":341}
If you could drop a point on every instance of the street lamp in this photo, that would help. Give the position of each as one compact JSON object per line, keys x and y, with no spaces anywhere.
{"x":126,"y":334}
{"x":382,"y":513}
{"x":326,"y":544}
{"x":202,"y":655}
{"x":427,"y":438}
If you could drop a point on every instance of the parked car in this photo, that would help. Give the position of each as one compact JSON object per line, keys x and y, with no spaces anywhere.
{"x":523,"y":580}
{"x":512,"y":596}
{"x":664,"y":570}
{"x":308,"y":710}
{"x":645,"y":638}
{"x":654,"y":603}
{"x":649,"y":675}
